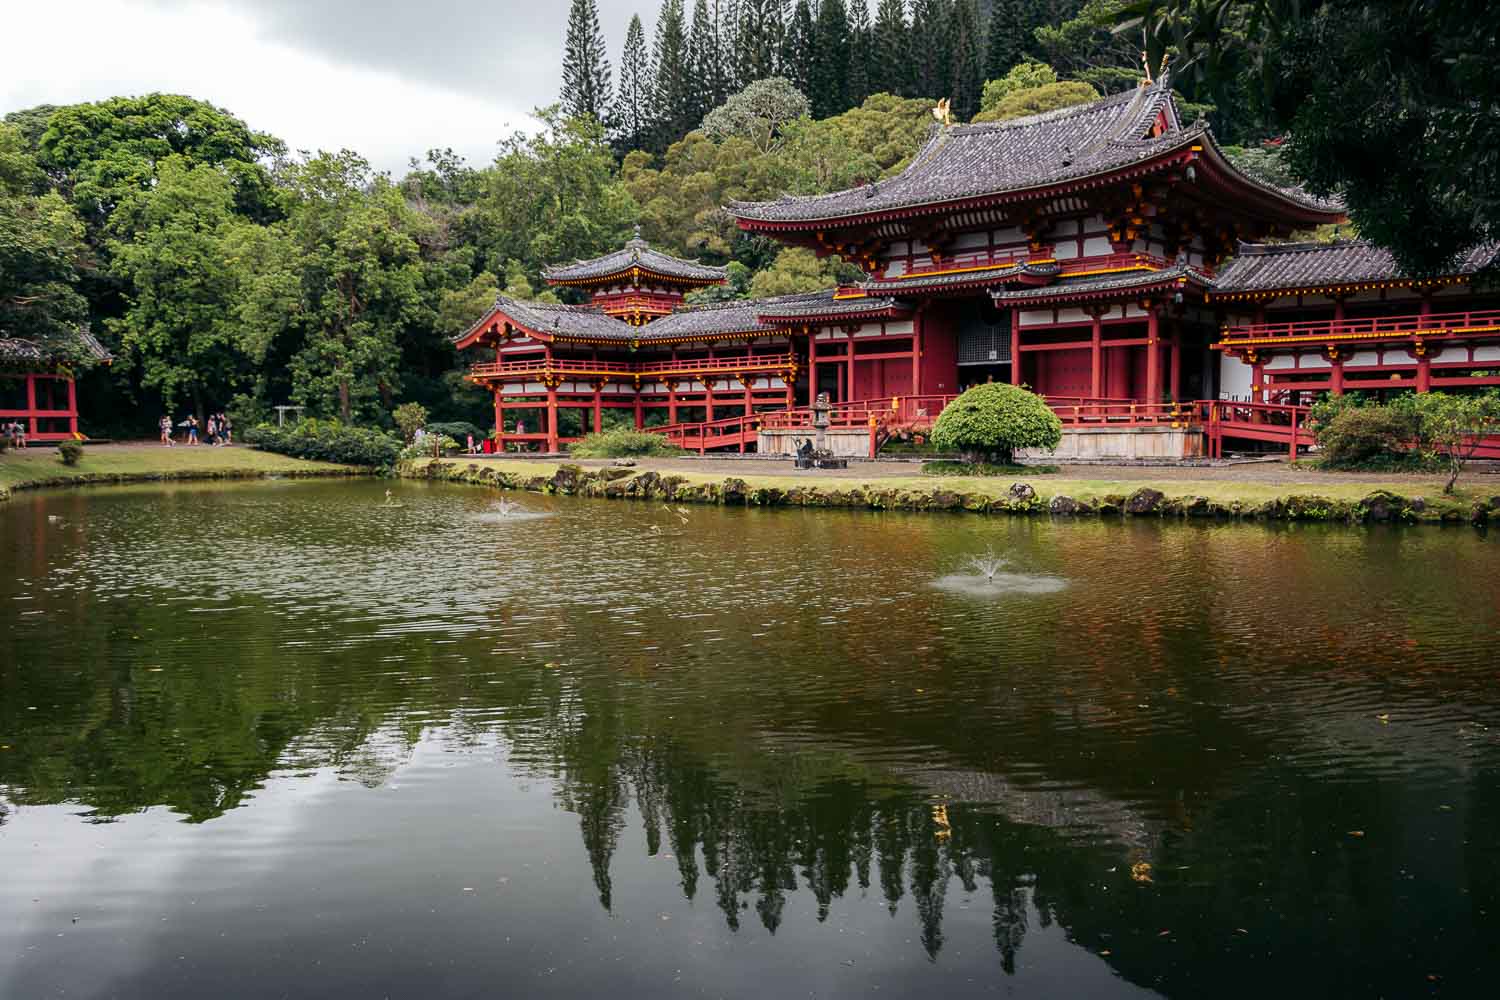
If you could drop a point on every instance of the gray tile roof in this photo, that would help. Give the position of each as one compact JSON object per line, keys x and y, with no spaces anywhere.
{"x":718,"y":319}
{"x":1101,"y":284}
{"x":964,"y":279}
{"x":818,"y":304}
{"x":973,"y":161}
{"x":83,"y":346}
{"x":558,"y":320}
{"x":636,"y":253}
{"x":1260,"y":267}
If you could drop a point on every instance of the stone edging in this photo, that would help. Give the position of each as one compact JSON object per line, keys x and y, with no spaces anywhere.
{"x":186,"y":475}
{"x":1020,"y":498}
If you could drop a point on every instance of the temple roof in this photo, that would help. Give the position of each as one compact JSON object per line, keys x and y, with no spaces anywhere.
{"x":962,"y":162}
{"x":636,"y":253}
{"x":1264,"y":267}
{"x":85,"y":347}
{"x":717,"y":320}
{"x":1106,"y":285}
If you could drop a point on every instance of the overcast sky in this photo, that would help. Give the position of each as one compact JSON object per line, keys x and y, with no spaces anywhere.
{"x":387,"y":79}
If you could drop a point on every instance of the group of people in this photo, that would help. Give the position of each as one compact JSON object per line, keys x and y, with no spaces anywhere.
{"x":15,"y":433}
{"x":218,"y":429}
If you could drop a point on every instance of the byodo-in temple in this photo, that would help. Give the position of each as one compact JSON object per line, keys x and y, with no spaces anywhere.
{"x":36,"y":385}
{"x":1107,"y":255}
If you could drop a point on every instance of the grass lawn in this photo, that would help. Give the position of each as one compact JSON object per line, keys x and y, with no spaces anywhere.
{"x":1179,"y":483}
{"x":19,"y":470}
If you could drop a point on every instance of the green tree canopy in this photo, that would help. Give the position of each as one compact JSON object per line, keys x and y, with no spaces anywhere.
{"x":994,"y":420}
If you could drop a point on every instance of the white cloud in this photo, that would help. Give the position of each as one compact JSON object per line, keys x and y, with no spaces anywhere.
{"x":93,"y":49}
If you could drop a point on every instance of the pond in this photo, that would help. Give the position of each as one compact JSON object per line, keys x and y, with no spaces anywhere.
{"x":289,"y":739}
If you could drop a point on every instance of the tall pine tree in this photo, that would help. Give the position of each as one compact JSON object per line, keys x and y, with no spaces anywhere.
{"x":704,"y":64}
{"x":930,"y":44}
{"x":757,"y":53}
{"x":828,"y":76}
{"x":637,"y":95}
{"x":966,"y":53}
{"x":861,"y":51}
{"x":1007,"y":33}
{"x":796,"y":48}
{"x":892,"y":62}
{"x":674,"y":103}
{"x":586,"y":73}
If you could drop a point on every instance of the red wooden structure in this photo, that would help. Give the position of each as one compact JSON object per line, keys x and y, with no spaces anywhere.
{"x":37,"y":388}
{"x":1096,"y":255}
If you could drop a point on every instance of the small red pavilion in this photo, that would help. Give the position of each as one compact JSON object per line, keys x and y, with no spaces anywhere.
{"x":37,"y":388}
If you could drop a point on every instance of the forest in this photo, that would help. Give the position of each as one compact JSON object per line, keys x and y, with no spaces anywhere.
{"x":224,"y":270}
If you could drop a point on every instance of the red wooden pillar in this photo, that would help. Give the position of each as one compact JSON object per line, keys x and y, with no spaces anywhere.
{"x":640,"y":415}
{"x":708,"y":397}
{"x":672,"y":400}
{"x":1096,"y":356}
{"x":598,"y":407}
{"x":916,"y":352}
{"x":1258,"y":382}
{"x":749,"y":400}
{"x":1336,"y":374}
{"x":812,"y":371}
{"x":72,"y":407}
{"x":849,"y":384}
{"x":499,"y":422}
{"x":1424,"y":372}
{"x":31,"y":405}
{"x":1153,"y":357}
{"x":552,"y":442}
{"x":1174,"y":380}
{"x":1015,"y":347}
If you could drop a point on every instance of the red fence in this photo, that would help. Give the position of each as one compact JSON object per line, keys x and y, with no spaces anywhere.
{"x":645,"y":369}
{"x":1368,"y":328}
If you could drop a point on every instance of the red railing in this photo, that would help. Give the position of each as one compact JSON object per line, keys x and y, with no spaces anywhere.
{"x":712,"y":434}
{"x":1276,"y":423}
{"x":1368,"y":328}
{"x":644,"y":369}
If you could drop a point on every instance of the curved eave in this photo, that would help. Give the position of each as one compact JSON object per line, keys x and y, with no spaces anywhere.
{"x":487,"y":325}
{"x":1334,"y":288}
{"x":628,"y":273}
{"x":1272,"y":202}
{"x":833,"y":316}
{"x":1067,"y":296}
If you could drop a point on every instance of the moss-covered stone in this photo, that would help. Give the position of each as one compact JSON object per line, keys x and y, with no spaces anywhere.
{"x":1065,"y":506}
{"x":1144,"y":501}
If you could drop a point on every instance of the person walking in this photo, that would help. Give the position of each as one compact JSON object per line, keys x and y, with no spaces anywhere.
{"x":226,"y":428}
{"x":192,"y":426}
{"x":165,"y":425}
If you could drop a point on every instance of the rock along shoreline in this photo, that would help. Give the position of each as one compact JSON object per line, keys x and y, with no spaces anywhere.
{"x":1380,"y":506}
{"x":182,"y":476}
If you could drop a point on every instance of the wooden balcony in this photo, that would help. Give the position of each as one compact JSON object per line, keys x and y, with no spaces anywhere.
{"x":1414,"y":328}
{"x":537,"y":369}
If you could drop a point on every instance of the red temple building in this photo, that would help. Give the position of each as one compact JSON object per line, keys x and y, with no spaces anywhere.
{"x":36,"y":386}
{"x":1106,"y":255}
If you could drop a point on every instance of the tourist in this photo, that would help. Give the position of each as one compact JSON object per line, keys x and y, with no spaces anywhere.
{"x":18,"y":434}
{"x":165,"y":426}
{"x":192,"y":428}
{"x":472,"y":449}
{"x":226,"y":427}
{"x":211,"y":429}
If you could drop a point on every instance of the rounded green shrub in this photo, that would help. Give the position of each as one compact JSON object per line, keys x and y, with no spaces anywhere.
{"x":990,"y":422}
{"x":70,"y":452}
{"x":1360,"y":436}
{"x":622,"y":442}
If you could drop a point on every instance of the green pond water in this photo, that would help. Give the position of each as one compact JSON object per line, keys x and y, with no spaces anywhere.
{"x":276,"y":740}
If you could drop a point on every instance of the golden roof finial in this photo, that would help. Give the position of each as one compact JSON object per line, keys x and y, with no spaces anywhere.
{"x":1146,"y":64}
{"x":943,"y":113}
